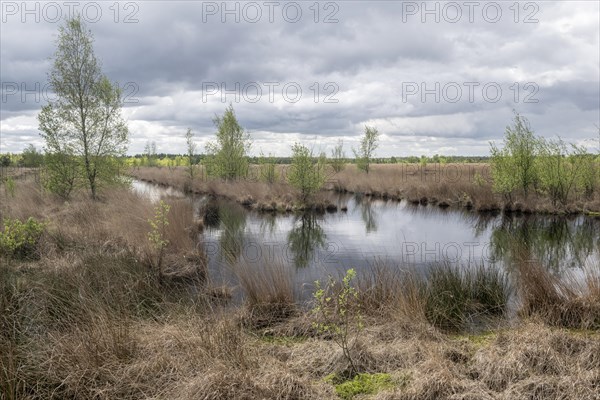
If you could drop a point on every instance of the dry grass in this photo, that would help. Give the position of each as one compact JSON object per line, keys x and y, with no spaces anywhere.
{"x":559,"y":300}
{"x":464,"y":185}
{"x":529,"y":362}
{"x":190,"y":355}
{"x":117,"y":223}
{"x":391,"y":293}
{"x":268,"y":293}
{"x":450,"y":297}
{"x":89,"y":320}
{"x":26,"y":202}
{"x":17,"y":173}
{"x":251,"y":193}
{"x":451,"y":184}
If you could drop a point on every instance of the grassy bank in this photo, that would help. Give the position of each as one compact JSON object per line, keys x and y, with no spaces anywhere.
{"x":444,"y":185}
{"x":252,"y":193}
{"x":83,"y":315}
{"x":459,"y":185}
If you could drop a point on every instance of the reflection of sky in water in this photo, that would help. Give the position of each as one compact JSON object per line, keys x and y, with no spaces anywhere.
{"x":154,"y":192}
{"x":399,"y":234}
{"x":402,"y":235}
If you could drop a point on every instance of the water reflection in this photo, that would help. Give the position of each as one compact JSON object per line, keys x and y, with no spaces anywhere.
{"x":482,"y":222}
{"x":154,"y":192}
{"x":367,"y":212}
{"x":232,"y":226}
{"x":268,"y":224}
{"x":557,"y":242}
{"x":398,"y":232}
{"x":304,"y":238}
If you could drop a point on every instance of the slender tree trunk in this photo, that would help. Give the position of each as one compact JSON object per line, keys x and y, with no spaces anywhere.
{"x":90,"y":174}
{"x":93,"y":187}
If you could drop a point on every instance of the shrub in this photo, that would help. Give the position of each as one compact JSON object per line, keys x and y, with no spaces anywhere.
{"x":5,"y":161}
{"x":514,"y":166}
{"x":19,"y":239}
{"x":31,"y":157}
{"x":338,"y":314}
{"x":368,"y":145}
{"x":588,"y":178}
{"x":227,"y":157}
{"x":305,"y":174}
{"x":479,"y":180}
{"x":338,"y":157}
{"x":157,"y":234}
{"x":61,"y":173}
{"x":561,"y":170}
{"x":502,"y":173}
{"x":9,"y":186}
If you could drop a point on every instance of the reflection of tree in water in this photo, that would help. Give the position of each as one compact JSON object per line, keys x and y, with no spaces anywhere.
{"x":341,"y":199}
{"x":482,"y":221}
{"x":304,"y":238}
{"x":368,"y":214}
{"x":268,"y":223}
{"x":233,"y":223}
{"x":552,"y":240}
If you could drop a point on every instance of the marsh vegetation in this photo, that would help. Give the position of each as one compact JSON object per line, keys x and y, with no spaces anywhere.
{"x":85,"y":315}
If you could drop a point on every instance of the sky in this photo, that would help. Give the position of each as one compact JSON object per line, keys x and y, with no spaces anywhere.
{"x":433,"y":77}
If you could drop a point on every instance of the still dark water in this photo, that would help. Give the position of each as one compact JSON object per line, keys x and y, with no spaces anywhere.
{"x":390,"y":233}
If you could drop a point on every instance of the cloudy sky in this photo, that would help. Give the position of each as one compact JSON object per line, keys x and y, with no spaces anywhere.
{"x":435,"y":77}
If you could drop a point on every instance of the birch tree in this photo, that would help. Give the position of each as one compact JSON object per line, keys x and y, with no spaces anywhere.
{"x":85,"y":119}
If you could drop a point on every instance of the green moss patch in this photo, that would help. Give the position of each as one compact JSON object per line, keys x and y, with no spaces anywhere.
{"x":360,"y":384}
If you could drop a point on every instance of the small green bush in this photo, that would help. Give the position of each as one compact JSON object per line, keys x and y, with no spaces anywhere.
{"x":368,"y":144}
{"x":19,"y":239}
{"x":157,"y":235}
{"x":561,"y":170}
{"x":306,"y":174}
{"x":338,"y":315}
{"x":338,"y":157}
{"x":227,"y":157}
{"x":9,"y":186}
{"x":514,"y":166}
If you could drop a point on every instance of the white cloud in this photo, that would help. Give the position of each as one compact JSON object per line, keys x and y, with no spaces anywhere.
{"x":369,"y":56}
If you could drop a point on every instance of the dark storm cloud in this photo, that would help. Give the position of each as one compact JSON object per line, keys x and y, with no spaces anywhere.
{"x":371,"y":55}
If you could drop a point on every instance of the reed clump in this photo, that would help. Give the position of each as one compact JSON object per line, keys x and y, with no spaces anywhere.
{"x":565,"y":301}
{"x":450,"y":297}
{"x":268,"y":292}
{"x":455,"y":295}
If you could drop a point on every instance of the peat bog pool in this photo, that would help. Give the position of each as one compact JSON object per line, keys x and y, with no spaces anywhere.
{"x":376,"y":232}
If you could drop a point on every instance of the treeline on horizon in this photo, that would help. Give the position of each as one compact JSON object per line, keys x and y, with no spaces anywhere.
{"x":163,"y":159}
{"x":32,"y":158}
